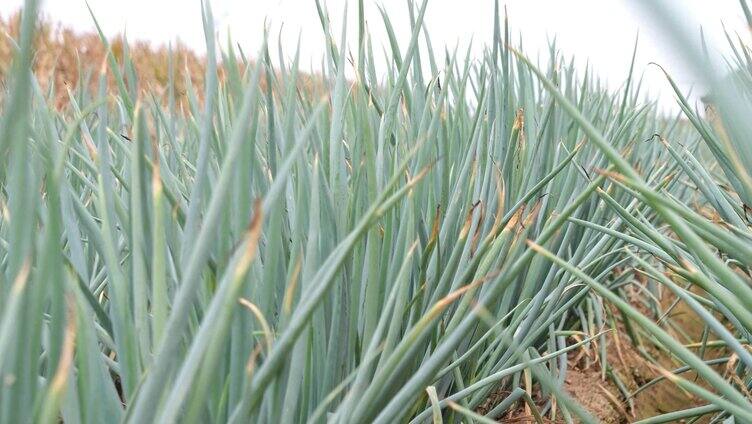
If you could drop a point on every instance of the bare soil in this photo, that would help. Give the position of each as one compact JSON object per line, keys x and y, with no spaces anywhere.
{"x":601,"y":397}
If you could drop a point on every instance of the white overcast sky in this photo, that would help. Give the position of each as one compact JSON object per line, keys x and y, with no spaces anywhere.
{"x":599,"y":31}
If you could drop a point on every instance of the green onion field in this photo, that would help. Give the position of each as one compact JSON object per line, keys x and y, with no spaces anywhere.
{"x":455,"y":240}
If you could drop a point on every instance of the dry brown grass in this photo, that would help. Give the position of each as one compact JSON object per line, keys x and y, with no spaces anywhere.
{"x":64,"y":57}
